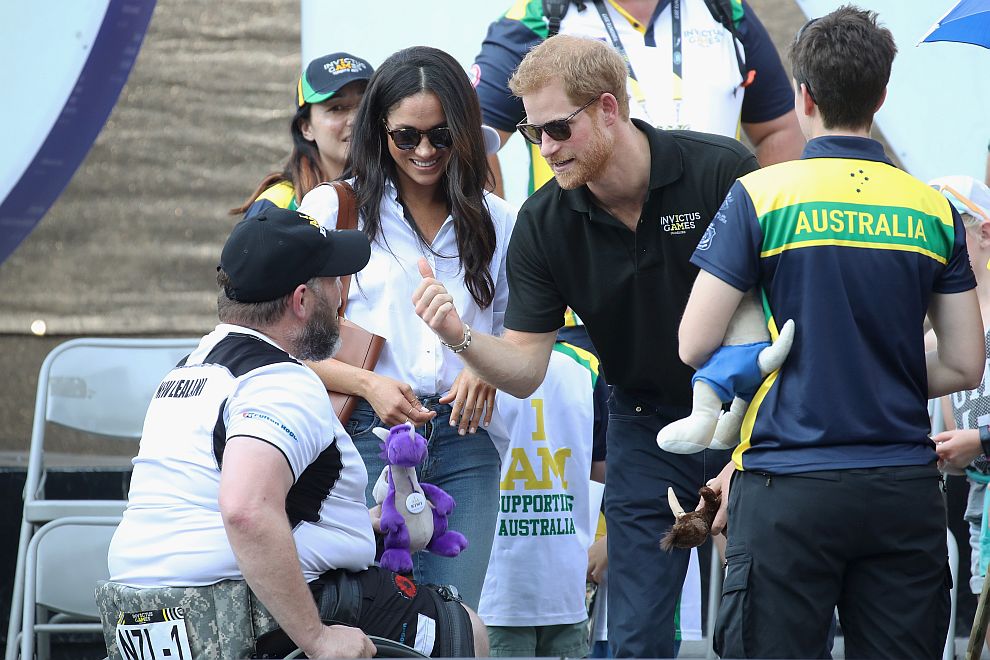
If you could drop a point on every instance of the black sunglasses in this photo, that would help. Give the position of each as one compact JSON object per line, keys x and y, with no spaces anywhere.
{"x":558,"y":129}
{"x":409,"y":138}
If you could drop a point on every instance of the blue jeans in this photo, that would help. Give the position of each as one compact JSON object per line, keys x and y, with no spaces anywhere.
{"x":468,"y":468}
{"x":644,"y":583}
{"x":600,"y":650}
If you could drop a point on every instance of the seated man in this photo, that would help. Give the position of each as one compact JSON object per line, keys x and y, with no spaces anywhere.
{"x":244,"y":472}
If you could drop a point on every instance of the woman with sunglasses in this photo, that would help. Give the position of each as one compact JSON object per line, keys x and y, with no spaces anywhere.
{"x":327,"y":96}
{"x":418,"y":167}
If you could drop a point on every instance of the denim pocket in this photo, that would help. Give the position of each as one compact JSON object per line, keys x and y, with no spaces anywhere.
{"x":731,"y":625}
{"x":362,"y":420}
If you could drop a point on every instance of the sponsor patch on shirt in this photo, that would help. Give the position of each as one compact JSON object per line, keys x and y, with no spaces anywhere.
{"x":271,"y":420}
{"x":405,"y":586}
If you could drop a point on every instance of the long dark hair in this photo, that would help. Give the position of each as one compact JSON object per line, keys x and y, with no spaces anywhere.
{"x":404,"y":74}
{"x":302,"y":170}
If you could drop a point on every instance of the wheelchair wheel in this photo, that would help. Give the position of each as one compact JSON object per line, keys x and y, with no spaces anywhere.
{"x":387,"y":648}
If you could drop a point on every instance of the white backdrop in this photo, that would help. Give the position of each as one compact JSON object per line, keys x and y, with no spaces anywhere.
{"x":43,"y":49}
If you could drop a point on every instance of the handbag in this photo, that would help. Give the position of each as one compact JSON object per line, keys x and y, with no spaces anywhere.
{"x":358,"y":347}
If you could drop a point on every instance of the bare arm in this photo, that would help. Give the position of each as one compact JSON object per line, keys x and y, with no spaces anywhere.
{"x":394,"y":401}
{"x":957,"y":362}
{"x":515,"y":362}
{"x":706,"y":317}
{"x":776,"y":140}
{"x":944,"y":403}
{"x":254,"y":482}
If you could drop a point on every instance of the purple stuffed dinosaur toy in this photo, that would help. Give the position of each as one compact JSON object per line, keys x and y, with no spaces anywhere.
{"x":414,"y":514}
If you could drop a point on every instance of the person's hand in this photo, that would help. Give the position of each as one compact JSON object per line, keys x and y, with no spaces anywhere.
{"x":375,"y":513}
{"x":474,"y":402}
{"x":436,"y":307}
{"x":395,"y":403}
{"x":720,"y":484}
{"x":957,"y":448}
{"x":597,"y":560}
{"x":341,"y":642}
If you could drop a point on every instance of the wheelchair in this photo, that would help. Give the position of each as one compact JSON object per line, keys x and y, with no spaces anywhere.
{"x":227,"y":621}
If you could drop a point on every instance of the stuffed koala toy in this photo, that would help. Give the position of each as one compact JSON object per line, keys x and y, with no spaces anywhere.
{"x":732,"y":374}
{"x":414,"y":514}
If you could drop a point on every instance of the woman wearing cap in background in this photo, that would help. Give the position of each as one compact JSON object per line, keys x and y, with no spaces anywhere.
{"x":959,"y":447}
{"x":327,"y":96}
{"x":418,"y":166}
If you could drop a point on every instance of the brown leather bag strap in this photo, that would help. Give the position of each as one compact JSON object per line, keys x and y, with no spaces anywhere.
{"x":346,"y":219}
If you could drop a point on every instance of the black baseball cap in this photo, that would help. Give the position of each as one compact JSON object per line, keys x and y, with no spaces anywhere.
{"x":325,"y":75}
{"x":268,"y":255}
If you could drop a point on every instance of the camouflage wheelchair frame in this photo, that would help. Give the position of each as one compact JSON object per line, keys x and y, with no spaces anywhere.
{"x":223,"y":621}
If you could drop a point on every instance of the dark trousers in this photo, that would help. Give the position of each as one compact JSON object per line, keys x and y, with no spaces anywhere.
{"x":868,"y":541}
{"x":644,"y":582}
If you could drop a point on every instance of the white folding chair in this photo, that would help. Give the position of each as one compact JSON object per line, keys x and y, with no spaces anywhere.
{"x":66,"y":558}
{"x":949,"y":652}
{"x":99,"y":387}
{"x":936,"y":415}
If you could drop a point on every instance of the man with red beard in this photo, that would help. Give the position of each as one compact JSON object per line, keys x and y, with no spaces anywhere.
{"x":611,"y":237}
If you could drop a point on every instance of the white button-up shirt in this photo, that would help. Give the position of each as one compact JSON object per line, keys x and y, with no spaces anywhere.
{"x":380,"y":296}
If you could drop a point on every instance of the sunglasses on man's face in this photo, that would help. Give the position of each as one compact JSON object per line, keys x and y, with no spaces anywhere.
{"x":558,"y":129}
{"x":409,"y":138}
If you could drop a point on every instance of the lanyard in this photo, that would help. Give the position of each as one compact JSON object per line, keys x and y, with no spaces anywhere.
{"x":676,"y":56}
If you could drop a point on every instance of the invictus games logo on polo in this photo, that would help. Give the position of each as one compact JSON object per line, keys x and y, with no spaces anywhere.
{"x":705,"y":38}
{"x":344,"y":65}
{"x":679,"y":223}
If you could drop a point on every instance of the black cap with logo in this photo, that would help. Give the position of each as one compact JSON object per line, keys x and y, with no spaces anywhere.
{"x":268,"y":255}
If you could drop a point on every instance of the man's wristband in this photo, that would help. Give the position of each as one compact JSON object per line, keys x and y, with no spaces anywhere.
{"x":465,"y":342}
{"x":984,"y":424}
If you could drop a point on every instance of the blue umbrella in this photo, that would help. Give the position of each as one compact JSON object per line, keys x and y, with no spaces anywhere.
{"x":967,"y":23}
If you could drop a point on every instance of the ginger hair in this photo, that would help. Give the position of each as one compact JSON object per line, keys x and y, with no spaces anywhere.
{"x":586,"y":67}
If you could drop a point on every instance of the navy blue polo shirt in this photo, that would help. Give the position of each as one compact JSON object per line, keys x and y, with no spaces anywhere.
{"x":852,"y":249}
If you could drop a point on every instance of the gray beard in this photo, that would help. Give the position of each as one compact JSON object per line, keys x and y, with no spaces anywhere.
{"x":321,"y":348}
{"x":320,"y":339}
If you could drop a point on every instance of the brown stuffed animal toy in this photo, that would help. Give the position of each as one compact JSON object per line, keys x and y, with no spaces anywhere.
{"x":690,"y":529}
